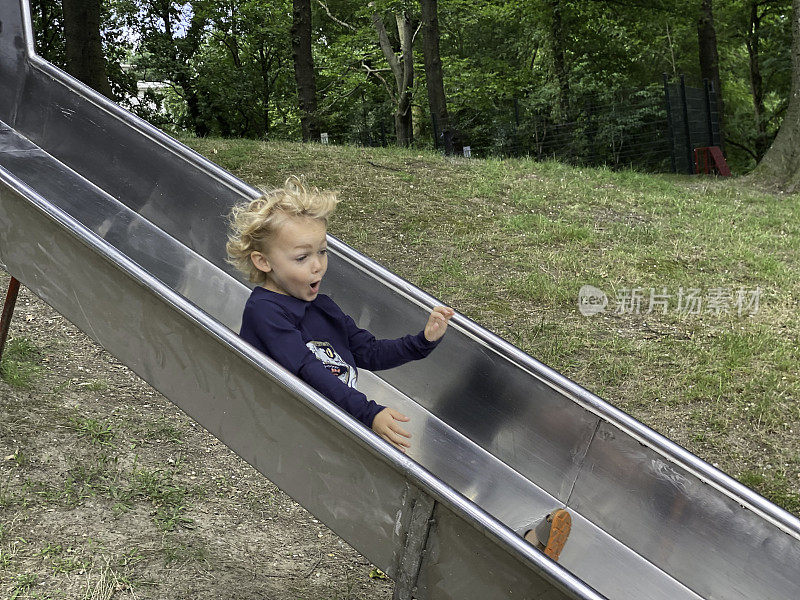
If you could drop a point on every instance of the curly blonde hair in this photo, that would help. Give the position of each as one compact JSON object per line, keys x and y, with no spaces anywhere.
{"x":253,"y":224}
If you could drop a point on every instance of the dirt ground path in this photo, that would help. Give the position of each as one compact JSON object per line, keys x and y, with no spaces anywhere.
{"x":107,"y":490}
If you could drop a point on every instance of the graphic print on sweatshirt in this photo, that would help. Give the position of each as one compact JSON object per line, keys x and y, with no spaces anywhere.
{"x":333,"y":362}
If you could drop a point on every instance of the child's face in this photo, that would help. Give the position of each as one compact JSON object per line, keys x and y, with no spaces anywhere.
{"x":296,"y":259}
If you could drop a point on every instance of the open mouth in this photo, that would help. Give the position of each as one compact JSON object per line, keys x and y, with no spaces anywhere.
{"x":315,"y":286}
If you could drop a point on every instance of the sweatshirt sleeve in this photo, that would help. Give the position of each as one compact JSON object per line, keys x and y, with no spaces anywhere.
{"x":274,"y":333}
{"x":374,"y":354}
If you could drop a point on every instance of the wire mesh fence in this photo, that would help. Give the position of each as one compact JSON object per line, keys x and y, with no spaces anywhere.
{"x":655,"y":129}
{"x":623,"y":134}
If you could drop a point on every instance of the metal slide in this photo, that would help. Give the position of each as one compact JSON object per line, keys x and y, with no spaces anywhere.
{"x":121,"y":229}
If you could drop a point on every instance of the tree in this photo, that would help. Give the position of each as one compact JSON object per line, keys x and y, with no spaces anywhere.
{"x":781,"y":164}
{"x":755,"y":63}
{"x":84,"y":47}
{"x":753,"y":42}
{"x":304,"y":68}
{"x":558,"y":42}
{"x":242,"y":64}
{"x":269,"y":57}
{"x":434,"y":76}
{"x":403,"y":70}
{"x":49,"y":40}
{"x":170,"y":55}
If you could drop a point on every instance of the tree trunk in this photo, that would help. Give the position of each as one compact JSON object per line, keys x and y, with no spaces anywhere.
{"x":781,"y":164}
{"x":756,"y":83}
{"x":709,"y":57}
{"x":304,"y":68}
{"x":403,"y":72}
{"x":559,"y":62}
{"x":84,"y":45}
{"x":403,"y":116}
{"x":433,"y":74}
{"x":265,"y":65}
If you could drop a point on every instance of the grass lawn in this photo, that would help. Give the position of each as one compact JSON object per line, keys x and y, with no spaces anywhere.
{"x":699,"y":338}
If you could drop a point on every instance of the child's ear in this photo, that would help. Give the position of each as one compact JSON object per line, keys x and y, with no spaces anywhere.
{"x":260,"y":262}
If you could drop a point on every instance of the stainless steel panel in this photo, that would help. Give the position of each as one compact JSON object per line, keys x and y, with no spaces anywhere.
{"x":614,"y":569}
{"x":167,"y":183}
{"x":707,"y":540}
{"x":150,"y":179}
{"x":174,"y":264}
{"x":462,"y":464}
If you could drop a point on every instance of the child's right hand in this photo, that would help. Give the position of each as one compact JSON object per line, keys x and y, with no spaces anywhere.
{"x":385,"y":425}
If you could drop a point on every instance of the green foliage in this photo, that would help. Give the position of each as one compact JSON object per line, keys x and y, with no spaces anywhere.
{"x":774,"y":46}
{"x":23,"y":584}
{"x":168,"y":498}
{"x":514,"y":72}
{"x":184,"y":553}
{"x":376,"y":573}
{"x":773,"y":486}
{"x":48,"y":29}
{"x":20,"y":362}
{"x":96,"y":431}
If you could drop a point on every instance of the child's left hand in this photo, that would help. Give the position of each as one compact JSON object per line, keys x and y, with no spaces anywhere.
{"x":437,"y":323}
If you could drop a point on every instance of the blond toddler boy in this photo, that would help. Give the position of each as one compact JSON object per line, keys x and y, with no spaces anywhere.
{"x":279,"y":240}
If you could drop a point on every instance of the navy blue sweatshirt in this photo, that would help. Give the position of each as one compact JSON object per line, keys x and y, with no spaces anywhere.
{"x":323,"y":346}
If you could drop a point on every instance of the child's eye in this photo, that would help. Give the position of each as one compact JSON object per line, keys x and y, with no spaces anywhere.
{"x":324,"y":251}
{"x":300,"y":258}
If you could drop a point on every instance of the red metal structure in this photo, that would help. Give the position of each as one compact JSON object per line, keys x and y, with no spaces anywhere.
{"x":8,"y":311}
{"x":709,"y":160}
